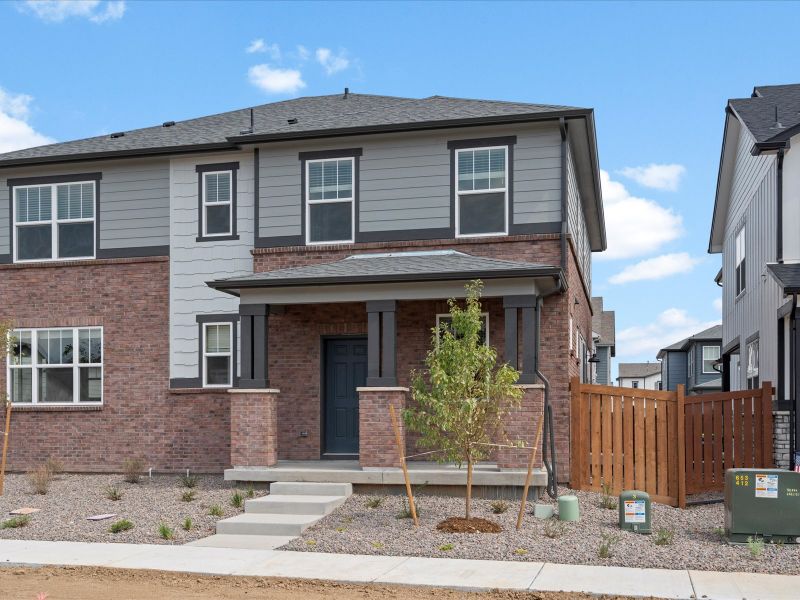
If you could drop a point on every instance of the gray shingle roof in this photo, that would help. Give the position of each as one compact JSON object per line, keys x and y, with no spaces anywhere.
{"x":639,"y":369}
{"x":787,"y":276}
{"x":712,"y":333}
{"x":390,"y":267}
{"x":603,"y":322}
{"x":313,"y":113}
{"x":758,"y":112}
{"x":712,"y":384}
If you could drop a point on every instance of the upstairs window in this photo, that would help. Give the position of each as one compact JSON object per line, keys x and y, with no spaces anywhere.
{"x":54,"y":222}
{"x":217,"y":354}
{"x":481,"y":191}
{"x":711,"y":355}
{"x":740,"y":262}
{"x":330,"y":206}
{"x":217,"y":203}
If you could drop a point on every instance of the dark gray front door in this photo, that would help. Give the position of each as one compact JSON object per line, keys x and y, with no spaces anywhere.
{"x":345,"y":370}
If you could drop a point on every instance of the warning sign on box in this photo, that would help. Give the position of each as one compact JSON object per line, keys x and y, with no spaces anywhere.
{"x":634,"y":511}
{"x":766,"y":486}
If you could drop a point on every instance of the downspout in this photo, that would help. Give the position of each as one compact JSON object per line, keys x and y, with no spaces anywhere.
{"x":562,"y":125}
{"x":793,"y":374}
{"x":779,"y":210}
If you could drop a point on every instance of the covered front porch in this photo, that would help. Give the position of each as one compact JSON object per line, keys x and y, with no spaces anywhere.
{"x":326,"y":348}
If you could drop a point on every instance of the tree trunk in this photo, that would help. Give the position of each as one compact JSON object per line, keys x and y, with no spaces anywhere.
{"x":469,"y":486}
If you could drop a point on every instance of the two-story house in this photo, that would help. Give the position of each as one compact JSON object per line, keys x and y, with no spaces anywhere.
{"x":259,"y":284}
{"x":693,"y":362}
{"x":755,"y":228}
{"x":645,"y":376}
{"x":604,"y":337}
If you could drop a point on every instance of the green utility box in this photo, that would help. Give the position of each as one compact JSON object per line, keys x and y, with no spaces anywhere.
{"x":763,"y":503}
{"x":635,"y":511}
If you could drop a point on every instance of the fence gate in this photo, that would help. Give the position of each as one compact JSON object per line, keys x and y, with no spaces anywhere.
{"x":664,"y":443}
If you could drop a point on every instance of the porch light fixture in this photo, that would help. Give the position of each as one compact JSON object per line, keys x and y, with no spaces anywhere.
{"x":594,"y":358}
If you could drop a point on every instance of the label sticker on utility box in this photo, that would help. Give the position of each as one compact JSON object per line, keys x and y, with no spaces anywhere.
{"x":634,"y":511}
{"x":766,"y":486}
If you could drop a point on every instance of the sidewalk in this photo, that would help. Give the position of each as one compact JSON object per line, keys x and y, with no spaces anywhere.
{"x":438,"y":572}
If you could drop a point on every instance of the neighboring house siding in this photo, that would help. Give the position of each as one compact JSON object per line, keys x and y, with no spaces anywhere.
{"x":604,"y":366}
{"x":193,"y":263}
{"x":700,"y":377}
{"x":674,"y":370}
{"x":791,"y":202}
{"x":134,"y":202}
{"x":753,"y":204}
{"x":576,"y":220}
{"x":404,"y":180}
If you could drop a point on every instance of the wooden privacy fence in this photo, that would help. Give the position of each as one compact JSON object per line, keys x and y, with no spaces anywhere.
{"x":665,"y":443}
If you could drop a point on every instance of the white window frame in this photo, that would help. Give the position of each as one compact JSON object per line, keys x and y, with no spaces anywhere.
{"x":752,"y":371}
{"x":459,"y":193}
{"x":484,"y":316}
{"x":76,"y":366}
{"x":309,"y":202}
{"x":228,"y":354}
{"x":206,"y":204}
{"x":53,"y":222}
{"x":715,"y":358}
{"x":740,"y":257}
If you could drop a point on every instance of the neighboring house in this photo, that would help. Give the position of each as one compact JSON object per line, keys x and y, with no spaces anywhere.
{"x":694,"y":362}
{"x":646,"y":376}
{"x":297,"y":254}
{"x":604,"y":334}
{"x":755,"y":228}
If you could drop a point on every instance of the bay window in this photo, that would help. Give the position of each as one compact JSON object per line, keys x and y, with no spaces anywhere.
{"x":45,"y":368}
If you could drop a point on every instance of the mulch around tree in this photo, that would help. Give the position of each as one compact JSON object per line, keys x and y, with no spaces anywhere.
{"x":471,"y":525}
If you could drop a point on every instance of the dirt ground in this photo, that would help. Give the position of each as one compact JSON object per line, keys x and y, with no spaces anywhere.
{"x":91,"y":583}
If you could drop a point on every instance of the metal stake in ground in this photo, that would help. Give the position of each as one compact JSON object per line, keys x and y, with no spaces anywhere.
{"x":401,"y":453}
{"x":6,"y":432}
{"x":530,"y":472}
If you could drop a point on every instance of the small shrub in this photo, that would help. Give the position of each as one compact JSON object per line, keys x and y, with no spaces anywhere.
{"x":377,"y":545}
{"x":216,"y":510}
{"x":121,"y":525}
{"x":499,"y":506}
{"x":520,"y":552}
{"x":237,"y":499}
{"x":554,"y":529}
{"x":14,"y":522}
{"x":40,"y":479}
{"x":606,"y":547}
{"x":132,"y":469}
{"x":188,"y":495}
{"x":251,"y":491}
{"x":189,"y":481}
{"x":165,"y":531}
{"x":311,"y":543}
{"x":756,"y":546}
{"x":719,"y":532}
{"x":54,"y":465}
{"x":113,"y":493}
{"x":187,"y":524}
{"x":375,"y":502}
{"x":607,"y":500}
{"x":446,"y":547}
{"x":405,"y":512}
{"x":341,"y":529}
{"x":664,"y":537}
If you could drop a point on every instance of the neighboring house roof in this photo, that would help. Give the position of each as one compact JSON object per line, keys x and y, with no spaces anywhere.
{"x":712,"y":384}
{"x":713,"y":333}
{"x":390,"y":267}
{"x":628,"y":370}
{"x":787,"y":275}
{"x":604,"y":324}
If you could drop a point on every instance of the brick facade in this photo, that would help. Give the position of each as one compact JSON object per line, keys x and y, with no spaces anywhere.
{"x":254,"y":427}
{"x":520,"y":425}
{"x":377,"y":441}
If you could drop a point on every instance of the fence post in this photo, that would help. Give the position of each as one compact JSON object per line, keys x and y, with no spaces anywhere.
{"x":681,"y":408}
{"x":576,"y":445}
{"x":767,"y":443}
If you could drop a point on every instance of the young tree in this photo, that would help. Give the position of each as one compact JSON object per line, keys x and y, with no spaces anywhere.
{"x":461,"y":398}
{"x":6,"y":343}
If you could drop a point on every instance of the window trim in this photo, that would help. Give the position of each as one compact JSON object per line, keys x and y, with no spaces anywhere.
{"x":703,"y":359}
{"x":202,"y":170}
{"x":308,"y":202}
{"x":203,"y":370}
{"x":484,"y":315}
{"x":53,"y":181}
{"x":216,"y":319}
{"x":458,"y":193}
{"x":740,"y":277}
{"x":754,"y":339}
{"x":76,"y":366}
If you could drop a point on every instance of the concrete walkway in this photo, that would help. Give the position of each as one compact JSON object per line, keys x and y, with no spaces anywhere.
{"x":438,"y":572}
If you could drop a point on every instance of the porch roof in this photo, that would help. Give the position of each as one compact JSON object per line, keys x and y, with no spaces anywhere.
{"x":392,"y":267}
{"x":787,"y":275}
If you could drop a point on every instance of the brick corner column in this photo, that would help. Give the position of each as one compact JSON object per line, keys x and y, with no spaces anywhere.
{"x":254,"y":427}
{"x":521,"y":424}
{"x":377,"y":445}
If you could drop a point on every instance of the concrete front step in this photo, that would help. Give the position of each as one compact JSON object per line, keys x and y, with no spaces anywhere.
{"x":244,"y":542}
{"x":266,"y":524}
{"x":297,"y":505}
{"x":300,"y":488}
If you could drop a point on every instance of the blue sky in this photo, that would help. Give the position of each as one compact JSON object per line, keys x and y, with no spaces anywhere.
{"x":658,"y":76}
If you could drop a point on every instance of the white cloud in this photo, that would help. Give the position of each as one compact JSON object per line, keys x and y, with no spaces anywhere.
{"x":302,"y":52}
{"x":260,"y":46}
{"x":635,"y":226}
{"x":56,"y":11}
{"x":274,"y":80}
{"x":672,"y":325}
{"x":332,"y":63}
{"x":717,"y":304}
{"x":657,"y":267}
{"x":15,"y":132}
{"x":659,"y":177}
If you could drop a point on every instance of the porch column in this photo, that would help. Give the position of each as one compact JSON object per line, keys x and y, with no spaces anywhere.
{"x":254,"y":427}
{"x":377,"y":442}
{"x":520,"y":425}
{"x":526,"y":305}
{"x":254,"y":320}
{"x":381,"y":343}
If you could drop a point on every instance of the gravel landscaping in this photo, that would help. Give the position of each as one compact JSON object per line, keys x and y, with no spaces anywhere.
{"x":356,"y":528}
{"x":72,"y":498}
